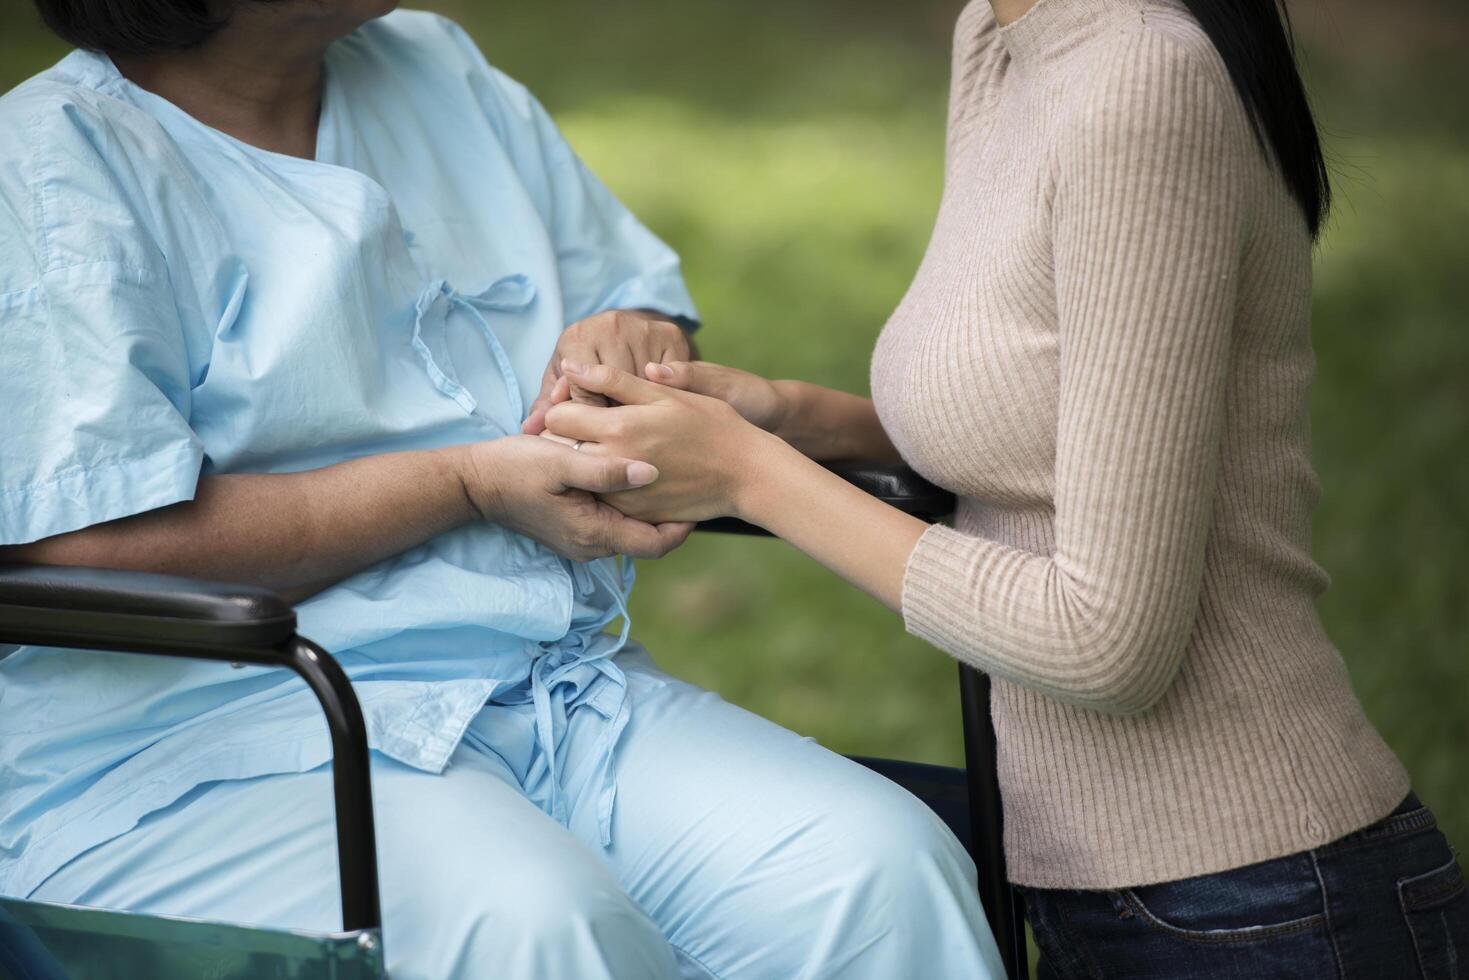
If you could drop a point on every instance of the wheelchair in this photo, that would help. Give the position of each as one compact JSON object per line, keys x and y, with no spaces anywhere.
{"x":138,"y":613}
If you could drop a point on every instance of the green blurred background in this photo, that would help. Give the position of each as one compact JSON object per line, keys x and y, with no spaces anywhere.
{"x":793,"y":151}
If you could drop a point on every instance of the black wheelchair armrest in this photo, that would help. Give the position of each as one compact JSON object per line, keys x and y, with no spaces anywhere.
{"x":892,"y":483}
{"x":53,"y":605}
{"x":141,"y":613}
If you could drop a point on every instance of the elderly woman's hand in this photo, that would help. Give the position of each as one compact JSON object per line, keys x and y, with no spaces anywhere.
{"x":623,"y":339}
{"x":704,"y":451}
{"x":548,"y":492}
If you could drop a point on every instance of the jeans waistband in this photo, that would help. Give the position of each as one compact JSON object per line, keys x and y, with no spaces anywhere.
{"x":1409,"y":816}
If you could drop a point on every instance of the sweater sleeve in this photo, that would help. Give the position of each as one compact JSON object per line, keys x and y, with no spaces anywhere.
{"x":1149,"y":221}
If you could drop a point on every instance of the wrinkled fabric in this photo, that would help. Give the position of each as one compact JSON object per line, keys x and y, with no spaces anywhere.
{"x":174,"y":302}
{"x":741,"y":852}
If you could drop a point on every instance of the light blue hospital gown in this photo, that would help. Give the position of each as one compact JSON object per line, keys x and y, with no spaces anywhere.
{"x":175,"y":303}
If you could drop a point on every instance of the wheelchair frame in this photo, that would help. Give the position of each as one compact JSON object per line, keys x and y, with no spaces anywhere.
{"x":140,"y":613}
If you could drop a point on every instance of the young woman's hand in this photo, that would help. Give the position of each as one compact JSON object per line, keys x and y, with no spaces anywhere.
{"x":822,"y":423}
{"x":623,"y":339}
{"x":706,"y":454}
{"x":760,"y":402}
{"x":547,"y":492}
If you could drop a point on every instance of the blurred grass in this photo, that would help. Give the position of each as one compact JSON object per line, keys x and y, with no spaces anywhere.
{"x":792,"y":152}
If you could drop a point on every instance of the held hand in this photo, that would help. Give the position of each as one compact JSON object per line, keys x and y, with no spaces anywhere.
{"x":547,"y":492}
{"x":759,"y":401}
{"x":705,"y":453}
{"x":822,"y":423}
{"x":623,"y":339}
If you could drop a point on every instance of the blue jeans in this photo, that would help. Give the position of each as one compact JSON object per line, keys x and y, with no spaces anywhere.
{"x":1385,"y":903}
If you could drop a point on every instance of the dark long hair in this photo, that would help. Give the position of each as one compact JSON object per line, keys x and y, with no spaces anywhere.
{"x":1254,"y":39}
{"x":133,"y":27}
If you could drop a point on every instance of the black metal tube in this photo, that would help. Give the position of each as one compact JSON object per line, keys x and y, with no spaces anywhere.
{"x":987,"y":823}
{"x":351,"y":781}
{"x":356,"y":837}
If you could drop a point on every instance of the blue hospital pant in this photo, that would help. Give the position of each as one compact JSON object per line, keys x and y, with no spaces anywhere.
{"x":739,"y":850}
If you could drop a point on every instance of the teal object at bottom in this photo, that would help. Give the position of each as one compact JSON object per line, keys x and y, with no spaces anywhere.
{"x":65,"y":942}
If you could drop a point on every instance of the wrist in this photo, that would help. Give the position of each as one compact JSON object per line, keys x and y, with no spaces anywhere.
{"x":763,"y":468}
{"x":789,"y":398}
{"x":473,"y":477}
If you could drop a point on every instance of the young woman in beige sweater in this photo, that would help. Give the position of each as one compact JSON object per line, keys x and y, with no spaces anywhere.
{"x":1106,"y":355}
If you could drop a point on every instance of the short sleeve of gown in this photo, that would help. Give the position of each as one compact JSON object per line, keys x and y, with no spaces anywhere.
{"x":94,"y":397}
{"x":606,"y":258}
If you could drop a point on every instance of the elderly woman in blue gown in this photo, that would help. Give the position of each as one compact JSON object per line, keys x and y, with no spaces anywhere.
{"x":280,"y":283}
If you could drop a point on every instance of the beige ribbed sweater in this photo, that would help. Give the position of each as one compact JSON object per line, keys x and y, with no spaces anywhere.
{"x":1106,"y":354}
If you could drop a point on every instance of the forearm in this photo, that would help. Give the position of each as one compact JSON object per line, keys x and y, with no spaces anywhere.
{"x":818,"y":512}
{"x":296,"y":533}
{"x":826,"y":424}
{"x":1011,"y":613}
